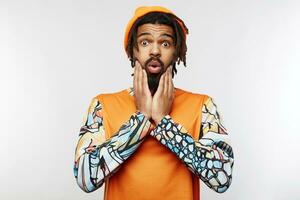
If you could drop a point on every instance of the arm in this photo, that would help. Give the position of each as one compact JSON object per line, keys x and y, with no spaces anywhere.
{"x":97,"y":158}
{"x":210,"y":158}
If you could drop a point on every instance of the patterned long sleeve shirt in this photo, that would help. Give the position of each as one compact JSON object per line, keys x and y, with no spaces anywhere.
{"x":210,"y":158}
{"x":97,"y":158}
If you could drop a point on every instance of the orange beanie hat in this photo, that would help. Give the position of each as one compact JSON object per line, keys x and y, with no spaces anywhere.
{"x":143,"y":10}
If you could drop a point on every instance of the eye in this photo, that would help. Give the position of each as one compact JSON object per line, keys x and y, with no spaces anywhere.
{"x":144,"y":42}
{"x":166,"y":44}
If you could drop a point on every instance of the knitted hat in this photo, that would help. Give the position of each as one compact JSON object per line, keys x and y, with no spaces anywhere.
{"x":143,"y":10}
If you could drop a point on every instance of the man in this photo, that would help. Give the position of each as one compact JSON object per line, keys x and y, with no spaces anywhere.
{"x":153,"y":141}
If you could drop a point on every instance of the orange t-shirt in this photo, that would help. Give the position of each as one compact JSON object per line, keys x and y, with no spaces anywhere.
{"x":153,"y":171}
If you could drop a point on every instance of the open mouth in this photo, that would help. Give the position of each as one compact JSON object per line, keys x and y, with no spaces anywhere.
{"x":154,"y":67}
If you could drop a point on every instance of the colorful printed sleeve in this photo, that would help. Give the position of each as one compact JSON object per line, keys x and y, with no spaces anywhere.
{"x":97,"y":158}
{"x":210,"y":158}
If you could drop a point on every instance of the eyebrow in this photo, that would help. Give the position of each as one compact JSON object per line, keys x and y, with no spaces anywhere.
{"x":165,"y":34}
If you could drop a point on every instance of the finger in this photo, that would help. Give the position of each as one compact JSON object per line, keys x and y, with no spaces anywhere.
{"x":142,"y":81}
{"x":166,"y":81}
{"x":161,"y":84}
{"x":145,"y":86}
{"x":171,"y":85}
{"x":135,"y":77}
{"x":139,"y":77}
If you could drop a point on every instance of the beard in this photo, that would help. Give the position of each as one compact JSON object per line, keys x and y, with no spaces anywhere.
{"x":154,"y":78}
{"x":153,"y":81}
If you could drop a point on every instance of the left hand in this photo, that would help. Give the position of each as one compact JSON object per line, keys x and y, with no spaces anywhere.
{"x":163,"y":97}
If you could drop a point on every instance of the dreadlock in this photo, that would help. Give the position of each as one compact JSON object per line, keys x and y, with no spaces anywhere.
{"x":160,"y":18}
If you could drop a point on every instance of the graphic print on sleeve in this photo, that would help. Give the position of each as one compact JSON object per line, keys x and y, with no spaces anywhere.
{"x":97,"y":158}
{"x":211,"y":158}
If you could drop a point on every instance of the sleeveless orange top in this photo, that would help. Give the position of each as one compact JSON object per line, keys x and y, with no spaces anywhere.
{"x":153,"y":171}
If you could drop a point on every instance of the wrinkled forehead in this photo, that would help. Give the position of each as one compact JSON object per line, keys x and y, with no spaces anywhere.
{"x":155,"y":30}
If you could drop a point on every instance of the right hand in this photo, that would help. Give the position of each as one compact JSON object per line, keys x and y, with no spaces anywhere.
{"x":142,"y":94}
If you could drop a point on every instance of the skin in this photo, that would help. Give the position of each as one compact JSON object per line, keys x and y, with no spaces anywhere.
{"x":154,"y":41}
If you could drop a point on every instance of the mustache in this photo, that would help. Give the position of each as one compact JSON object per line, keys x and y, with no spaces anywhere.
{"x":148,"y":61}
{"x":156,"y":59}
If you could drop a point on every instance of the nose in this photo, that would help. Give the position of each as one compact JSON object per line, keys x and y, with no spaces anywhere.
{"x":155,"y":51}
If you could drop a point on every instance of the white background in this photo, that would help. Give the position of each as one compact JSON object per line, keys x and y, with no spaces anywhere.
{"x":56,"y":55}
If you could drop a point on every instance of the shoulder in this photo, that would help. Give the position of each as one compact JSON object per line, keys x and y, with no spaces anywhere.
{"x":204,"y":97}
{"x":96,"y":100}
{"x":99,"y":96}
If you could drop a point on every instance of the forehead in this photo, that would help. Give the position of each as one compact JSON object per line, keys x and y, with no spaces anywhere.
{"x":155,"y":30}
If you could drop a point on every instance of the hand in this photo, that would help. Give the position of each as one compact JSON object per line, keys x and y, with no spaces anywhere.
{"x":163,"y":97}
{"x":142,"y":94}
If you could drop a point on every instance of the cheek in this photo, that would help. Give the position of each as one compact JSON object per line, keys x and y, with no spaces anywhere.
{"x":169,"y":56}
{"x":140,"y":55}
